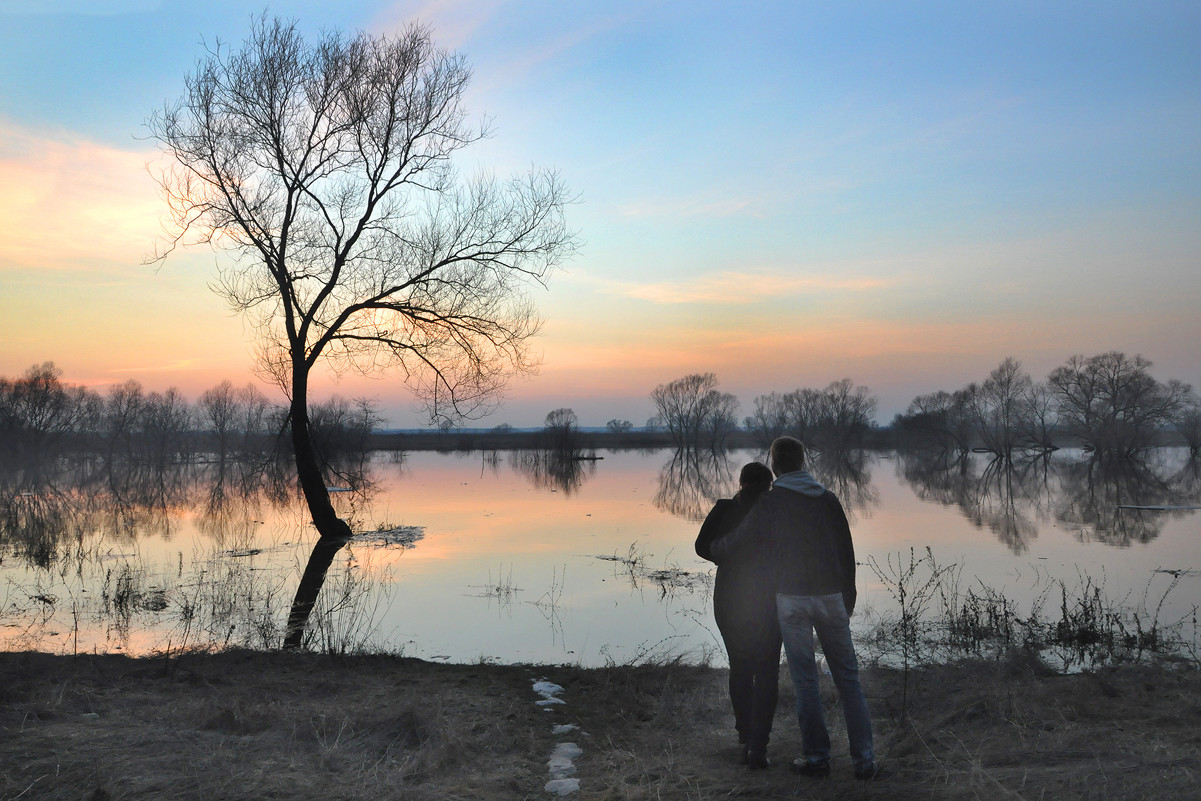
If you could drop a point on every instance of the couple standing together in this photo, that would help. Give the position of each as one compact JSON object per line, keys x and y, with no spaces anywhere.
{"x":786,"y":569}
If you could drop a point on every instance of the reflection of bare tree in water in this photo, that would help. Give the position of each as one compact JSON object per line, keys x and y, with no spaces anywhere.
{"x":35,"y":524}
{"x":692,"y":482}
{"x":554,"y":469}
{"x":1005,"y":496}
{"x":1094,"y":489}
{"x":1000,"y":504}
{"x":45,"y":512}
{"x":1186,"y":482}
{"x":846,"y":474}
{"x":347,"y":504}
{"x":489,"y":463}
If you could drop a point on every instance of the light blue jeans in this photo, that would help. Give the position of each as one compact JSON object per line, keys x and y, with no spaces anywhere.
{"x":800,"y":616}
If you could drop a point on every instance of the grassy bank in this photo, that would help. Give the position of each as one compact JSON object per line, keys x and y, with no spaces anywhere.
{"x":247,"y":725}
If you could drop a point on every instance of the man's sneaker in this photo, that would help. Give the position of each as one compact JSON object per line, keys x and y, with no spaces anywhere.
{"x":869,"y":773}
{"x":814,"y":770}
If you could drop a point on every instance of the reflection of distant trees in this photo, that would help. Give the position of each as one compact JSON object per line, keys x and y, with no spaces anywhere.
{"x":846,"y":474}
{"x":36,"y":526}
{"x":1186,"y":480}
{"x":554,"y":469}
{"x":1009,"y":495}
{"x":1003,"y":495}
{"x":45,"y":509}
{"x":692,"y":481}
{"x":1094,"y":489}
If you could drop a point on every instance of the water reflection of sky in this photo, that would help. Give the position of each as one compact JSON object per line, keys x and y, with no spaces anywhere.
{"x":548,"y":561}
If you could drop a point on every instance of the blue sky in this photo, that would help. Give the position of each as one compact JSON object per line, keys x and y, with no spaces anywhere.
{"x":781,"y":193}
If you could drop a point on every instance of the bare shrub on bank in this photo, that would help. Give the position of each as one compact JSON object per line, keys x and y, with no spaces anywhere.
{"x":936,"y":619}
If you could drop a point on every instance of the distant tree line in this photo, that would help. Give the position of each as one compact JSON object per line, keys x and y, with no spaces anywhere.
{"x":41,"y":416}
{"x":836,"y":419}
{"x":1109,"y":404}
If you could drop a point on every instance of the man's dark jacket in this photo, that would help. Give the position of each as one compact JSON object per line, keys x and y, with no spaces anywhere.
{"x":808,"y":539}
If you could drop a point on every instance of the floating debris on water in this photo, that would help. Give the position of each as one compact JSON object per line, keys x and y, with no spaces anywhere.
{"x":404,"y":536}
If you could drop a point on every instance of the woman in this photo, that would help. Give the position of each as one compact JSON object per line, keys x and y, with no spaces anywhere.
{"x":744,"y":604}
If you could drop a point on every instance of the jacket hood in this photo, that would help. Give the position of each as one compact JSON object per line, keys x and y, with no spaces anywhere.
{"x":801,"y":481}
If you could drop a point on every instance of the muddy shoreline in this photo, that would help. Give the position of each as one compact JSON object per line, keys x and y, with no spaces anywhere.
{"x":243,"y":725}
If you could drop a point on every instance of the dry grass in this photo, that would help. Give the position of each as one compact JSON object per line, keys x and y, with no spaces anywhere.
{"x":244,"y":725}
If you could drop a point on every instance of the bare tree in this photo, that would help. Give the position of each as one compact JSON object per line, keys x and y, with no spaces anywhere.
{"x":219,"y":409}
{"x":618,"y":426}
{"x":121,"y":418}
{"x":770,"y":419}
{"x":695,"y":413}
{"x":1039,"y":417}
{"x":257,"y":415}
{"x":166,"y":418}
{"x":937,"y":421}
{"x":845,"y":416}
{"x":995,"y":409}
{"x":37,"y":411}
{"x":803,"y":412}
{"x":560,"y":429}
{"x":327,"y":169}
{"x":1113,"y":404}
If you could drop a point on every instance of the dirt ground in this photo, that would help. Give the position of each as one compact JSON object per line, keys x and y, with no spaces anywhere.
{"x":249,"y":725}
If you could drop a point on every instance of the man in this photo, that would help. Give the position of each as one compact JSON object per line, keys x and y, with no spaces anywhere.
{"x":805,"y":531}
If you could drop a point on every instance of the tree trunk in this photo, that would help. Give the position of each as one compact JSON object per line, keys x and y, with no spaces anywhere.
{"x":332,"y":530}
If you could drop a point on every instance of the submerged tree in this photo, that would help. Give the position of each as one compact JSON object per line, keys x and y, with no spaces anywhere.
{"x":695,"y":412}
{"x":326,"y":169}
{"x":1113,"y":404}
{"x":560,"y":429}
{"x":995,"y":408}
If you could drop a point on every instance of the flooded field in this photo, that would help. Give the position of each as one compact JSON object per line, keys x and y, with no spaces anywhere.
{"x":528,"y":556}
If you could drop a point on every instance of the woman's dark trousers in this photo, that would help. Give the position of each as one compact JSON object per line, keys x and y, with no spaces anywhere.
{"x":746,"y":617}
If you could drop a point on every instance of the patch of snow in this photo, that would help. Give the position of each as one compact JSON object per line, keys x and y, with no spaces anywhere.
{"x":562,"y":760}
{"x":561,"y":765}
{"x":562,"y":787}
{"x":546,"y":688}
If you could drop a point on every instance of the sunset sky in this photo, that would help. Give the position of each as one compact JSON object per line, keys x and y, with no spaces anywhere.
{"x":783,"y":193}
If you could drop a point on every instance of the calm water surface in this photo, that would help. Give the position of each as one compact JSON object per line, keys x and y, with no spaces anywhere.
{"x":525,"y":557}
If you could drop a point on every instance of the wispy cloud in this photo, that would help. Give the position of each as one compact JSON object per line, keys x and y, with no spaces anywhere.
{"x":695,"y":206}
{"x":64,"y":199}
{"x":531,"y":58}
{"x":455,"y":22}
{"x":465,"y":24}
{"x":734,"y":287}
